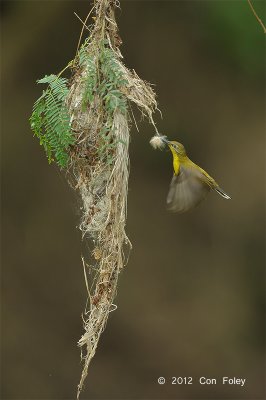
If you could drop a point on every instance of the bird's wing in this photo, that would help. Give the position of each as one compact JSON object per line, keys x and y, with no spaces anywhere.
{"x":187,"y":190}
{"x":213,"y":185}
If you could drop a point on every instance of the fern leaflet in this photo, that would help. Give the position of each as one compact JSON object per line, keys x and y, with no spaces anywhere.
{"x":50,"y":121}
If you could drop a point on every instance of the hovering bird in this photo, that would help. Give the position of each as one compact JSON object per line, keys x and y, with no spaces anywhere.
{"x":190,"y":183}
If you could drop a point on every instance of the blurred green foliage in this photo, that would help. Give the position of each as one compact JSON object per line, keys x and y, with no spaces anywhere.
{"x":233,"y":37}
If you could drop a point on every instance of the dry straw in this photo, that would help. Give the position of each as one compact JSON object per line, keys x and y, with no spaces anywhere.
{"x":99,"y":163}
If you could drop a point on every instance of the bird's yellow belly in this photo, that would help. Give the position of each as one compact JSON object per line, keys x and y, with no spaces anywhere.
{"x":176,"y":164}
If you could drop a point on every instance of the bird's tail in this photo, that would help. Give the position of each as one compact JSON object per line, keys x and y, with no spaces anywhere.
{"x":222,"y":193}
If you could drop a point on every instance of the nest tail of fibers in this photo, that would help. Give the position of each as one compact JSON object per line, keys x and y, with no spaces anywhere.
{"x":98,"y":101}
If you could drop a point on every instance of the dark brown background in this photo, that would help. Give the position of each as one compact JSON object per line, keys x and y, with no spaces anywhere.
{"x":191,"y":300}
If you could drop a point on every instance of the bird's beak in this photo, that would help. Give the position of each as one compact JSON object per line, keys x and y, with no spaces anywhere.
{"x":165,"y":140}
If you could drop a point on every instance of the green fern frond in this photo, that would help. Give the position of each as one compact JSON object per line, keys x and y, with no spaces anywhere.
{"x":104,"y":78}
{"x":90,"y":82}
{"x":50,"y":121}
{"x":89,"y":62}
{"x":83,"y":54}
{"x":113,"y":80}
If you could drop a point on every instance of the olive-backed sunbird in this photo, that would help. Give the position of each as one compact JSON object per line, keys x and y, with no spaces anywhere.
{"x":190,"y":183}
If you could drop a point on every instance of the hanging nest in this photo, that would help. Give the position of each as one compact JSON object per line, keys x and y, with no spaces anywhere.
{"x":97,"y":104}
{"x":83,"y":125}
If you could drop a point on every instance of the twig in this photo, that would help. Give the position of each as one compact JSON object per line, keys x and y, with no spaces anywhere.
{"x":82,"y":30}
{"x":83,"y":23}
{"x":257,"y":17}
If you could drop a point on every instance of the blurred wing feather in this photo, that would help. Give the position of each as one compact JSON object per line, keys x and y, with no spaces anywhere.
{"x":187,"y":190}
